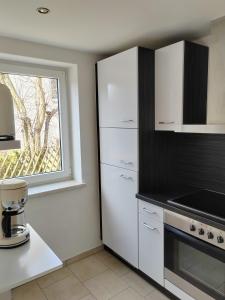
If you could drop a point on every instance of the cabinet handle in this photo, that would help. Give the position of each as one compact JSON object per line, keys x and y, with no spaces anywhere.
{"x":150,"y":227}
{"x":127,"y":121}
{"x":150,"y":212}
{"x":126,"y":177}
{"x":126,"y":162}
{"x":166,"y":122}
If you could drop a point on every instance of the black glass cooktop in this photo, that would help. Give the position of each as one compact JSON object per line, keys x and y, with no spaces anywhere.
{"x":204,"y":202}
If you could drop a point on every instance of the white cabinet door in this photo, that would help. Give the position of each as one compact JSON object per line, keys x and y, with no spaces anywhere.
{"x":120,"y":212}
{"x":151,"y":248}
{"x":118,"y":90}
{"x":118,"y":147}
{"x":169,"y":76}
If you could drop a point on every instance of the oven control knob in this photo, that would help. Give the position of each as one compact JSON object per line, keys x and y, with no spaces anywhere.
{"x":220,"y":239}
{"x":201,"y":231}
{"x":210,"y":235}
{"x":192,"y":227}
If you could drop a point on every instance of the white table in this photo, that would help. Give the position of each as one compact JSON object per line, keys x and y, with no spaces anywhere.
{"x":25,"y":263}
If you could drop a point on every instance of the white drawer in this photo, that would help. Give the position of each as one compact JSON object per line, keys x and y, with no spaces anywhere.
{"x":118,"y":147}
{"x":151,"y":211}
{"x":148,"y":220}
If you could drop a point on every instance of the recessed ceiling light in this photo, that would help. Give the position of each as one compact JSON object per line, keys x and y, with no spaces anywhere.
{"x":43,"y":10}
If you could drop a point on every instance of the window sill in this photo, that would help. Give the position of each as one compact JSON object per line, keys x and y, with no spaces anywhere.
{"x":43,"y":190}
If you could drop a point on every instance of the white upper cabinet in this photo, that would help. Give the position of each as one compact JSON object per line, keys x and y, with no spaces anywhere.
{"x":118,"y":90}
{"x":181,"y":75}
{"x":119,"y":147}
{"x":169,"y":76}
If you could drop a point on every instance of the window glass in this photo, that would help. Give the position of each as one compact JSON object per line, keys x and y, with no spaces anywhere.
{"x":37,"y":122}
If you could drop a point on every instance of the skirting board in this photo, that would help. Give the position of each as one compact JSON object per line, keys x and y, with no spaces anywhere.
{"x":83,"y":255}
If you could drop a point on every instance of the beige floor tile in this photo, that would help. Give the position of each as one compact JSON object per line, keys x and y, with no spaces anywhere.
{"x":140,"y":285}
{"x":87,"y":268}
{"x":156,"y":295}
{"x":67,"y":289}
{"x":104,"y":277}
{"x":53,"y":277}
{"x":29,"y":291}
{"x":103,"y":255}
{"x":89,"y":297}
{"x":128,"y":294}
{"x":106,"y":285}
{"x":45,"y":281}
{"x":112,"y":263}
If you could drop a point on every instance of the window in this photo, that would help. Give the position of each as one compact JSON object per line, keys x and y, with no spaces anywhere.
{"x":41,"y":120}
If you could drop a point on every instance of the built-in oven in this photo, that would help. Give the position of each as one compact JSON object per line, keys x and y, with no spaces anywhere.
{"x":194,"y":255}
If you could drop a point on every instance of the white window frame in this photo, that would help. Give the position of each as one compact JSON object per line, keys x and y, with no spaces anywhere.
{"x":61,"y":75}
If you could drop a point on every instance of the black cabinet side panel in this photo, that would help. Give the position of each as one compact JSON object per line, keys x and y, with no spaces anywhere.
{"x":195,"y":83}
{"x":154,"y":146}
{"x":146,"y":104}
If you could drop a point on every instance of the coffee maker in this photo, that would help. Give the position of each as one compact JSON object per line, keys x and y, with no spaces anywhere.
{"x":13,"y":228}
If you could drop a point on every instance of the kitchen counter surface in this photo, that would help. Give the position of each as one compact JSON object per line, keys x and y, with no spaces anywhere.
{"x":161,"y":199}
{"x":27,"y":262}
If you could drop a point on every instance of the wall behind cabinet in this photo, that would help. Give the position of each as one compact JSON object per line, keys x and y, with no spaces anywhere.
{"x":216,"y":86}
{"x":199,"y":160}
{"x":186,"y":159}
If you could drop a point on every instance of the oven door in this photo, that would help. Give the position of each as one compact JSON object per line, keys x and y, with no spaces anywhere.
{"x":189,"y":260}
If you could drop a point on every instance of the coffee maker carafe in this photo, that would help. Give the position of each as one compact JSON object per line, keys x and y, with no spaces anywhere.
{"x":13,"y":227}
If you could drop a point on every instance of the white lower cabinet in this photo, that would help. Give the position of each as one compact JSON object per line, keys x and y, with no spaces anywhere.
{"x":120,"y":212}
{"x":151,"y":244}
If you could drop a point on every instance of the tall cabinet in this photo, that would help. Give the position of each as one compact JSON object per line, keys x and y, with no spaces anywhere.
{"x":125,"y":89}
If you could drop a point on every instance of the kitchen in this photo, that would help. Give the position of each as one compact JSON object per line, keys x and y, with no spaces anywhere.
{"x":152,"y":156}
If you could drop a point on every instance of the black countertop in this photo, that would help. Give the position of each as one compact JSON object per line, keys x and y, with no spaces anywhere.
{"x":160,"y":199}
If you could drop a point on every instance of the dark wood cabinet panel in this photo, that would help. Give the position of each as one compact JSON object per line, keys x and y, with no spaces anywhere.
{"x":199,"y":160}
{"x":185,"y":160}
{"x":146,"y":107}
{"x":195,"y":83}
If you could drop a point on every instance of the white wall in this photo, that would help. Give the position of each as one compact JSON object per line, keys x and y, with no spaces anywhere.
{"x":216,"y":78}
{"x":69,"y":220}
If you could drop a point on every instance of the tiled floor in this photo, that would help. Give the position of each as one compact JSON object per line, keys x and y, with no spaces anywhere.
{"x":100,"y":276}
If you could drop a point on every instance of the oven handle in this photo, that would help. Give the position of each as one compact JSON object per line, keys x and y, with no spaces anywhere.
{"x":205,"y":247}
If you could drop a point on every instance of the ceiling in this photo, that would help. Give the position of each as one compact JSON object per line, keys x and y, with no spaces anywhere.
{"x":104,"y":26}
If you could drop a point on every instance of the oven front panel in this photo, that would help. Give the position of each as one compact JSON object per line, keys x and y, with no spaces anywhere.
{"x":197,"y":262}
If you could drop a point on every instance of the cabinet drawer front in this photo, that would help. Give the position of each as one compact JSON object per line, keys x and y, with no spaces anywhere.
{"x":151,"y":248}
{"x":120,"y":211}
{"x":151,"y":210}
{"x":153,"y":222}
{"x":119,"y":147}
{"x":118,"y":90}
